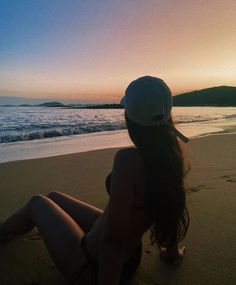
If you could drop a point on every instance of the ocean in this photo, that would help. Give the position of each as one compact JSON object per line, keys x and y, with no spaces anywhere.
{"x":32,"y":132}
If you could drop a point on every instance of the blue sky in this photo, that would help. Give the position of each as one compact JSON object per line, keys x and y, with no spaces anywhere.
{"x":91,"y":50}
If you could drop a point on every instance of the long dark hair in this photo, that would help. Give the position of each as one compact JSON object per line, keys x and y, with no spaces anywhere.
{"x":165,"y":193}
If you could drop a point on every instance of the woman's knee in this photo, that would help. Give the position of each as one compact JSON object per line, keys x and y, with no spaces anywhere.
{"x":54,"y":195}
{"x":37,"y":200}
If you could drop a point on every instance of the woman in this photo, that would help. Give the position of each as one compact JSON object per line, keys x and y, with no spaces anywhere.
{"x":146,"y":187}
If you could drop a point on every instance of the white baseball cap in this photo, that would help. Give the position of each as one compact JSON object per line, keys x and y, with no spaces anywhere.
{"x":148,"y":102}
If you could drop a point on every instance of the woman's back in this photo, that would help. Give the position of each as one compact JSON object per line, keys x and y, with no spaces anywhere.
{"x":130,"y":163}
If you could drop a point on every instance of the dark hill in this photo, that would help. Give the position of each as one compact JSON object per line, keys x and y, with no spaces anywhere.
{"x":51,"y":104}
{"x":222,"y":96}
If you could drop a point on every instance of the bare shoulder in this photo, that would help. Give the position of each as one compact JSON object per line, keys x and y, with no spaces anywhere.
{"x":129,"y":158}
{"x":129,"y":155}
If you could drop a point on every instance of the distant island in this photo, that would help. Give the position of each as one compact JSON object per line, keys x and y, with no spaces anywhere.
{"x":51,"y":104}
{"x":222,"y":96}
{"x":46,"y":104}
{"x":103,"y":106}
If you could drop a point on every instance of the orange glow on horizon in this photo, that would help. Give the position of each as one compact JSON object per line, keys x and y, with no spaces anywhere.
{"x":190,"y":45}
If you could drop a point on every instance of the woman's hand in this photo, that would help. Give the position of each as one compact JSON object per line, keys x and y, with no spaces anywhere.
{"x":173,"y":254}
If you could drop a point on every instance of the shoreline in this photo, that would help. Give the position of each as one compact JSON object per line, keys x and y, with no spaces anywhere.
{"x":24,"y":150}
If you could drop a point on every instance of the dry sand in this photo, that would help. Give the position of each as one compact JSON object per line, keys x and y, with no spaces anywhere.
{"x":211,"y":241}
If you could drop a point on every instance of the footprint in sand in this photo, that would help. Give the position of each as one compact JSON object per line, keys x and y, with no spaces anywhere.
{"x":201,"y":186}
{"x":193,"y":189}
{"x":228,"y":178}
{"x":198,"y":188}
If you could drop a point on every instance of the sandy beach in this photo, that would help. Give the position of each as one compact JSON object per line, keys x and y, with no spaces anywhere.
{"x":210,"y":255}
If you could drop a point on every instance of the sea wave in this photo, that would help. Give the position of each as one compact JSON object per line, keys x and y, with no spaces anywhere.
{"x":25,"y":124}
{"x":14,"y":136}
{"x":231,"y":116}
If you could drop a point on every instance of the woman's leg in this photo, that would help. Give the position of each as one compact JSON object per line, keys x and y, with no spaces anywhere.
{"x":84,"y":214}
{"x":60,"y":232}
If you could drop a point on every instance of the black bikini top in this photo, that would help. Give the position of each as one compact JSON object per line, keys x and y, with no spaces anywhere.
{"x":108,"y":187}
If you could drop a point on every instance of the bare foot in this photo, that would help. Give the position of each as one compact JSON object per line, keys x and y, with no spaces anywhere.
{"x":172,"y":255}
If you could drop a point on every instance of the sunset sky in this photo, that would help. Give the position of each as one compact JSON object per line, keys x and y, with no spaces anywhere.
{"x":90,"y":50}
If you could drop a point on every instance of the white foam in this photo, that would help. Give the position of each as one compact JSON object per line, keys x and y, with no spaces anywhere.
{"x":62,"y":145}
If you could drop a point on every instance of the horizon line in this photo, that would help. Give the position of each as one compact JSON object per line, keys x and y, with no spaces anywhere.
{"x":25,"y":97}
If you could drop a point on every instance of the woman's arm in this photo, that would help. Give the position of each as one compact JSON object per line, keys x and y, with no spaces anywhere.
{"x":113,"y":243}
